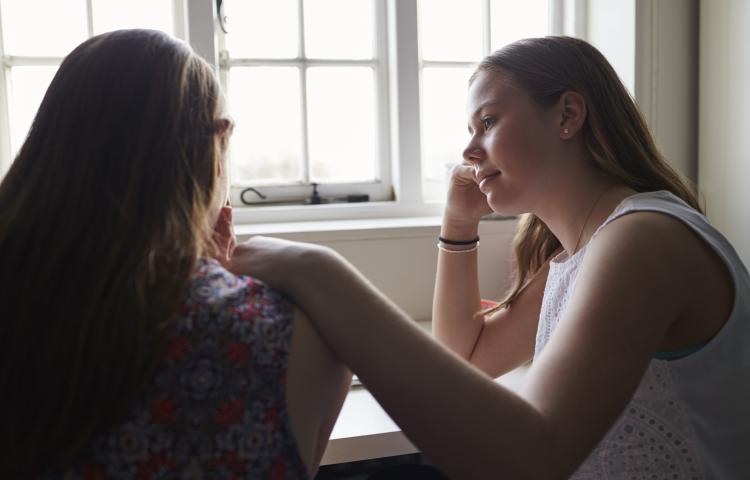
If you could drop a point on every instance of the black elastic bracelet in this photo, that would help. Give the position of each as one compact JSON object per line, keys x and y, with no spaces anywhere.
{"x":457,"y":242}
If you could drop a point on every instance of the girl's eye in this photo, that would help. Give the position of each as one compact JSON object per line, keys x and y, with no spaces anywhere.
{"x":487,"y":122}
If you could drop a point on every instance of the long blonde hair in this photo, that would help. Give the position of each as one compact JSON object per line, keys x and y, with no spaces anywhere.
{"x":103,"y":215}
{"x":615,"y":133}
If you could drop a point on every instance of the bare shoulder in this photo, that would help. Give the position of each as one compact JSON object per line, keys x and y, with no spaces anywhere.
{"x":642,"y":263}
{"x":669,"y":256}
{"x":644,"y":239}
{"x":656,"y":227}
{"x":656,"y":251}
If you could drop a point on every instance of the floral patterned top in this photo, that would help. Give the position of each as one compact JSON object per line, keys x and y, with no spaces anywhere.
{"x":217,"y":408}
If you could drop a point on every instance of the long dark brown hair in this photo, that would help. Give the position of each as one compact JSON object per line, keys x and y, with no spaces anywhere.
{"x":615,"y":133}
{"x":102,"y":217}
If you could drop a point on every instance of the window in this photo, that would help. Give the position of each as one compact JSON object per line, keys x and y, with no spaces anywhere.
{"x":37,"y":34}
{"x":308,"y":95}
{"x":417,"y":133}
{"x":358,"y":96}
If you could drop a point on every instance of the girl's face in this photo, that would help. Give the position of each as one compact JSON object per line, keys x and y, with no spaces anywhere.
{"x":512,"y":143}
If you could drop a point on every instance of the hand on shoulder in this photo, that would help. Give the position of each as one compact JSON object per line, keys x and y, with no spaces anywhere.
{"x":280,"y":262}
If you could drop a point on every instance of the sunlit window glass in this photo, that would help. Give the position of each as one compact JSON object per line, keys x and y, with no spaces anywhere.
{"x":352,"y":38}
{"x":262,"y":29}
{"x":443,"y":126}
{"x":341,"y":122}
{"x":318,"y":121}
{"x":451,"y":29}
{"x":42,"y":28}
{"x":512,"y":20}
{"x":26,"y":86}
{"x":267,"y":140}
{"x":111,"y":15}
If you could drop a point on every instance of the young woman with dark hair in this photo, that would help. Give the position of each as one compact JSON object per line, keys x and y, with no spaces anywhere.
{"x":126,"y":348}
{"x":633,"y":308}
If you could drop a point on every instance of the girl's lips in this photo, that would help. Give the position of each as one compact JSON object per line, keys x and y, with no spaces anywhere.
{"x":486,"y":178}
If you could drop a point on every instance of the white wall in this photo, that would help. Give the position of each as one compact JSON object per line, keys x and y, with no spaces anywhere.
{"x":400,"y":256}
{"x":724,"y":127}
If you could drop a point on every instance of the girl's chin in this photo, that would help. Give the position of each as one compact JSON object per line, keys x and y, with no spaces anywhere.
{"x":502,"y":206}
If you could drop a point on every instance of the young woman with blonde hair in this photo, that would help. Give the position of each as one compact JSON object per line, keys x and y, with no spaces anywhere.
{"x":634,"y":310}
{"x":126,"y":348}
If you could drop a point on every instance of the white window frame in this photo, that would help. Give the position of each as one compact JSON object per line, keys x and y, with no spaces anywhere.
{"x":399,"y":110}
{"x":5,"y":152}
{"x":378,"y":189}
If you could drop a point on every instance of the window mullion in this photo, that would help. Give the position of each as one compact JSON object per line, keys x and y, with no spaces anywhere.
{"x":405,"y":100}
{"x":556,"y":18}
{"x":90,"y":18}
{"x":573,"y":19}
{"x":305,"y":131}
{"x":301,"y":54}
{"x":296,"y":62}
{"x":486,"y":27}
{"x":5,"y":153}
{"x":180,"y":20}
{"x":13,"y":61}
{"x":446,"y":63}
{"x":383,"y":154}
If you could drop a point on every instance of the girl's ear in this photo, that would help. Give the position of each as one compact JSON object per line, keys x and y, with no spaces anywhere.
{"x":572,"y":114}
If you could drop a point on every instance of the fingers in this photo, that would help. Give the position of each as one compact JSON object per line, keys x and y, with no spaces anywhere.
{"x":224,"y":228}
{"x":465,"y":173}
{"x":223,"y":236}
{"x":262,"y":257}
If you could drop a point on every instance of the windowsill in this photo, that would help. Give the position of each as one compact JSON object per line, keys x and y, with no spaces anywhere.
{"x":349,"y":228}
{"x":382,"y":220}
{"x":259,"y":215}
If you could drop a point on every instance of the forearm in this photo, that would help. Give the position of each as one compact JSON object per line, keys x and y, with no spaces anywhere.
{"x":457,"y":416}
{"x":456,"y":300}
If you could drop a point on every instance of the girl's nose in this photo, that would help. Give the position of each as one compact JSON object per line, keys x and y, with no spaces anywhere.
{"x":472,"y":154}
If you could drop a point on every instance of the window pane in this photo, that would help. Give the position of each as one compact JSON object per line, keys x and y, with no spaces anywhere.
{"x":451,"y":30}
{"x":27,"y":88}
{"x":342,"y":29}
{"x":116,"y":14}
{"x":262,"y":29}
{"x":513,"y":20}
{"x":443,"y":126}
{"x":267,"y":141}
{"x":47,"y":28}
{"x":341,"y":124}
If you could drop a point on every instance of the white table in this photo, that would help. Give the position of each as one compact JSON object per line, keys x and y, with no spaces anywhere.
{"x":364,"y":431}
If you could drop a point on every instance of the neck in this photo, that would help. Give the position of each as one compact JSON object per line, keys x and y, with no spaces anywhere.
{"x":574,"y":211}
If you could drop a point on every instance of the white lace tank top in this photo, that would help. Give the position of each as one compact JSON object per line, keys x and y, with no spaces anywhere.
{"x":689,"y":418}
